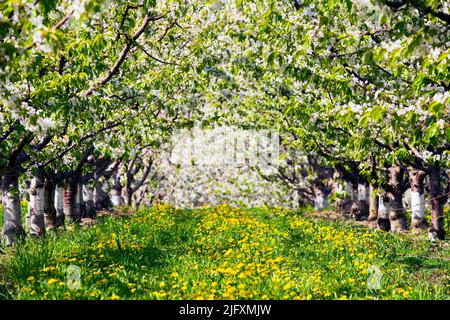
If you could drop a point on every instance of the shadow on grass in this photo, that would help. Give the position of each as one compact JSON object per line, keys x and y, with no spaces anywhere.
{"x":151,"y":257}
{"x":422,"y":262}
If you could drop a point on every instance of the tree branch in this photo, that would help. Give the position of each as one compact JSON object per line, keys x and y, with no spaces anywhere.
{"x":65,"y":151}
{"x":8,"y":132}
{"x":142,"y":180}
{"x":123,"y":55}
{"x":419,"y":5}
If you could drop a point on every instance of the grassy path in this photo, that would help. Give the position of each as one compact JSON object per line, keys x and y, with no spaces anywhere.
{"x":224,"y":253}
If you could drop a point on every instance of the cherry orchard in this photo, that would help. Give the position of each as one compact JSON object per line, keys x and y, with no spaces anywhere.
{"x":358,"y":88}
{"x":363,"y":84}
{"x":73,"y":73}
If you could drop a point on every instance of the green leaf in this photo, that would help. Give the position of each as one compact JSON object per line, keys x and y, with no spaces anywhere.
{"x":271,"y":58}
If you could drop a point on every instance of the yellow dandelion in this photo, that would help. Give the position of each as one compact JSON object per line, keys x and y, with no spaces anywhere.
{"x":287,"y":286}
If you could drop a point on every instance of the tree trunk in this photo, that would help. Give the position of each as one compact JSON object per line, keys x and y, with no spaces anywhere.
{"x":141,"y":197}
{"x":101,"y":198}
{"x":12,"y":228}
{"x":395,"y":194}
{"x":417,"y":178}
{"x":80,"y":200}
{"x":363,"y":202}
{"x":373,"y":208}
{"x":354,"y":196}
{"x":36,"y":221}
{"x":343,"y":206}
{"x":397,"y":212}
{"x":437,"y":202}
{"x":71,"y":201}
{"x":88,"y":196}
{"x":384,"y":206}
{"x":59,"y":205}
{"x":49,"y":204}
{"x":360,"y":205}
{"x":116,"y":197}
{"x":129,"y":199}
{"x":320,"y":199}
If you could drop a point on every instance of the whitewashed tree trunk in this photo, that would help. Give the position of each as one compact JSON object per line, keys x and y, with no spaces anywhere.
{"x":417,"y":209}
{"x":359,"y":198}
{"x":116,"y":197}
{"x":59,"y":205}
{"x":88,"y":196}
{"x":349,"y":188}
{"x":36,"y":222}
{"x":320,"y":200}
{"x":343,"y":206}
{"x":406,"y":200}
{"x":384,"y":206}
{"x":12,"y":227}
{"x":373,"y":207}
{"x":417,"y":202}
{"x":363,"y":202}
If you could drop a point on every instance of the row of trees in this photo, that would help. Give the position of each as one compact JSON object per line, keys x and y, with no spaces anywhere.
{"x":90,"y":90}
{"x":360,"y":86}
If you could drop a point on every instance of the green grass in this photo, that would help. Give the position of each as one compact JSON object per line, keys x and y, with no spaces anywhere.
{"x":224,"y":253}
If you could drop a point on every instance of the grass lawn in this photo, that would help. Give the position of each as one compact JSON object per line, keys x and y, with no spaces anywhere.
{"x":224,"y":253}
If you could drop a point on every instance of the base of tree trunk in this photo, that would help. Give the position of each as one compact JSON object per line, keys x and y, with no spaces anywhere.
{"x":419,"y":224}
{"x":59,"y":222}
{"x":434,"y":234}
{"x":12,"y":215}
{"x":50,"y":219}
{"x":373,"y":222}
{"x":360,"y":211}
{"x":89,"y":210}
{"x":398,"y":224}
{"x":384,"y":224}
{"x":343,"y":206}
{"x":73,"y":219}
{"x":13,"y":235}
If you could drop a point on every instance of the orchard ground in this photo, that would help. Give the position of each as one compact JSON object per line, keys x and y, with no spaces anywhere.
{"x":225,"y":253}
